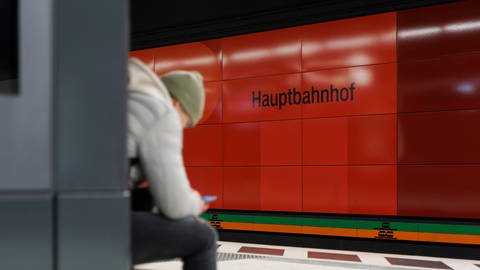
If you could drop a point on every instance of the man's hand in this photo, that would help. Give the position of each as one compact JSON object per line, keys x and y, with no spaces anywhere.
{"x":203,"y":206}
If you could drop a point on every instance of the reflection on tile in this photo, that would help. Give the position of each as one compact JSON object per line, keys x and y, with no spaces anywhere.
{"x":417,"y":263}
{"x":258,"y":250}
{"x":333,"y":256}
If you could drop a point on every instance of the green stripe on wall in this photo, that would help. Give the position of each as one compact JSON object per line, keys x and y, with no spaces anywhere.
{"x":400,"y":226}
{"x":348,"y":223}
{"x":232,"y":218}
{"x":449,"y":228}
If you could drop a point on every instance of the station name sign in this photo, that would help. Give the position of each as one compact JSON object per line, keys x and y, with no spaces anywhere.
{"x":294,"y":97}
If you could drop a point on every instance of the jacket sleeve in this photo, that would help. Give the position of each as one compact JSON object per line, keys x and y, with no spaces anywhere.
{"x":161,"y":154}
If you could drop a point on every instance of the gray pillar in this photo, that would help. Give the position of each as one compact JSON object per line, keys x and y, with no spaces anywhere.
{"x":26,"y":148}
{"x":93,"y":204}
{"x":63,"y":197}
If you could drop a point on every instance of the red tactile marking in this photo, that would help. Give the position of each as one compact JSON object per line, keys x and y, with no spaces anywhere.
{"x":417,"y":263}
{"x":266,"y":251}
{"x":333,"y":256}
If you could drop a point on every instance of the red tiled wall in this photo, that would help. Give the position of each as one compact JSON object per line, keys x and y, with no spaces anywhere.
{"x":241,"y":188}
{"x":374,"y":90}
{"x":281,"y":188}
{"x":449,"y":191}
{"x":213,"y":103}
{"x":350,"y":140}
{"x":439,"y":110}
{"x":203,"y":146}
{"x":347,"y":43}
{"x":325,"y":189}
{"x":261,"y":54}
{"x":201,"y":56}
{"x":416,"y":108}
{"x":208,"y":180}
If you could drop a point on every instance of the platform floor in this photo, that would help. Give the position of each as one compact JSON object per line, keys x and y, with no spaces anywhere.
{"x":245,"y":256}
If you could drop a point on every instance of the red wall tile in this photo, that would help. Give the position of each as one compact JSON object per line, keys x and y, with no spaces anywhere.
{"x":203,"y":146}
{"x":239,"y":104}
{"x":325,"y":141}
{"x":439,"y":137}
{"x":439,"y":30}
{"x":146,"y":56}
{"x":208,"y":181}
{"x":213,"y":103}
{"x":440,"y":84}
{"x":281,"y":143}
{"x":262,"y":143}
{"x":199,"y":56}
{"x":325,"y":189}
{"x":372,"y":139}
{"x":369,"y":190}
{"x":281,"y":188}
{"x":350,"y":42}
{"x":372,"y":190}
{"x":241,"y":144}
{"x":374,"y":91}
{"x":242,"y":188}
{"x":350,"y":140}
{"x":259,"y":54}
{"x":449,"y":191}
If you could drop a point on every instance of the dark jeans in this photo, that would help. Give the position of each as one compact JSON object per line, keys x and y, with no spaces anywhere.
{"x":141,"y":200}
{"x":155,"y":237}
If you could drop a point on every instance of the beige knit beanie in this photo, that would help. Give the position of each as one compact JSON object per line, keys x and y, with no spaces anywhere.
{"x":187,"y":88}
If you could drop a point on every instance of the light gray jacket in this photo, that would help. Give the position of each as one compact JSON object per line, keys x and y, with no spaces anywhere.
{"x":155,"y":136}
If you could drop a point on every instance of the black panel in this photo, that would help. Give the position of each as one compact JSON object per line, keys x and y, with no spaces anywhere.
{"x":8,"y":46}
{"x":157,"y":23}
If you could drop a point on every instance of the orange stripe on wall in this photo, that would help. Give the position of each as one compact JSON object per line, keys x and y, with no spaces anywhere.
{"x":450,"y":238}
{"x":278,"y":228}
{"x":288,"y":229}
{"x":398,"y":235}
{"x":237,"y":226}
{"x":329,"y":231}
